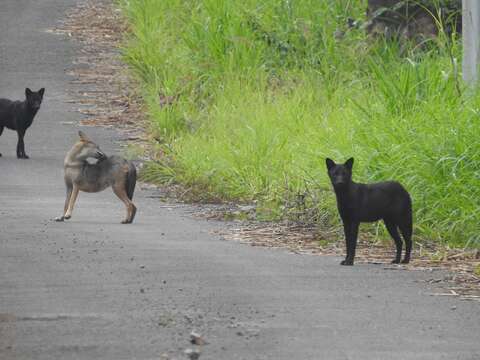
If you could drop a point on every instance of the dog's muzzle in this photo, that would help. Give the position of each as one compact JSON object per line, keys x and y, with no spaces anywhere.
{"x":100,"y":155}
{"x":340,"y":184}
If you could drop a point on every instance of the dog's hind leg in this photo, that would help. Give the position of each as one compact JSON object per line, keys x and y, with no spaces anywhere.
{"x":393,"y":231}
{"x":119,"y":190}
{"x":131,"y":180}
{"x":1,"y":131}
{"x":71,"y":202}
{"x":67,"y":201}
{"x":406,"y":229}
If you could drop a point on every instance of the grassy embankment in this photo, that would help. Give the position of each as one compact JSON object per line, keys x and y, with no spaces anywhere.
{"x":260,"y":92}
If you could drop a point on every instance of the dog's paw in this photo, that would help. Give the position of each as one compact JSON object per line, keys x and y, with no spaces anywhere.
{"x":347,"y":262}
{"x":66,"y":217}
{"x":59,"y":219}
{"x":405,"y":261}
{"x":395,"y":261}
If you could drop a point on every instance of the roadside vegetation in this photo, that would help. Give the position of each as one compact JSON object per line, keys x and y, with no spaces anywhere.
{"x":247,"y":98}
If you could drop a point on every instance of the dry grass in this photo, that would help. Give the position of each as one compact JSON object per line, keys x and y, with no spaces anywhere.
{"x":103,"y":89}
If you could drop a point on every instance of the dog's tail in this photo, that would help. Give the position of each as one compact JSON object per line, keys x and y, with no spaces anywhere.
{"x":131,"y":180}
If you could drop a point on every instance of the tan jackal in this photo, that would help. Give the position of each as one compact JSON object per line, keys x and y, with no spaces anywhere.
{"x":112,"y":171}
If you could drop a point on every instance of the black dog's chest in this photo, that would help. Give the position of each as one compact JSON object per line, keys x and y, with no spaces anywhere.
{"x":358,"y":214}
{"x":25,"y":124}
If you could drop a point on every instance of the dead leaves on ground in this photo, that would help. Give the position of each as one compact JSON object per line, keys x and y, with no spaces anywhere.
{"x":103,"y":90}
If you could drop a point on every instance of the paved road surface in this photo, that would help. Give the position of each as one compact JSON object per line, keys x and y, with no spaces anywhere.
{"x":94,"y":289}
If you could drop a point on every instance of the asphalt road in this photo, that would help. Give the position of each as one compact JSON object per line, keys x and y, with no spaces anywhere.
{"x":92,"y":288}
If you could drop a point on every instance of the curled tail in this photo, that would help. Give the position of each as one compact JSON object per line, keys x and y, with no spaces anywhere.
{"x":131,"y":180}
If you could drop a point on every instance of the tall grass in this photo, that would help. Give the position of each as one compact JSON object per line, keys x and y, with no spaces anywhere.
{"x":265,"y":90}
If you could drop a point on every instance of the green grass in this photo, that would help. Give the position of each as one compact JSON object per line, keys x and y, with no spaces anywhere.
{"x":265,"y":90}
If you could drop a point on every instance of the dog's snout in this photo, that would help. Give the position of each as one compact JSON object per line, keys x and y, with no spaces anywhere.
{"x":100,"y":155}
{"x":340,"y":180}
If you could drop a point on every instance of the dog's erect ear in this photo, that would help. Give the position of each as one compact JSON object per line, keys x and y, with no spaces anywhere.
{"x":83,"y":137}
{"x":28,"y":92}
{"x":41,"y":91}
{"x":330,"y":163}
{"x":349,"y":163}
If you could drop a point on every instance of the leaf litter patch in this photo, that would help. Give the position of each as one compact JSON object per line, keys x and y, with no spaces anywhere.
{"x":103,"y":90}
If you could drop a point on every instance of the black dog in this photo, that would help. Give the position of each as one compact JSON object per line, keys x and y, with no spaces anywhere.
{"x":358,"y":203}
{"x":18,"y":115}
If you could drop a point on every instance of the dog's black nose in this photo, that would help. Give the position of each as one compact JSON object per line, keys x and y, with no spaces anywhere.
{"x":100,"y":155}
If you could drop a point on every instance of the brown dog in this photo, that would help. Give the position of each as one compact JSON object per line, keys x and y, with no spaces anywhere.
{"x":112,"y":171}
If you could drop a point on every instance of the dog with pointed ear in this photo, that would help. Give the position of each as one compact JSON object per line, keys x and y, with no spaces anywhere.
{"x":357,"y":203}
{"x":110,"y":171}
{"x":19,"y":115}
{"x":340,"y":175}
{"x":85,"y":149}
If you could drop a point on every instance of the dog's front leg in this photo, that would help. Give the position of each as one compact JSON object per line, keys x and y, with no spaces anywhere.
{"x":351,"y":232}
{"x":67,"y":201}
{"x":21,"y":145}
{"x":71,"y":203}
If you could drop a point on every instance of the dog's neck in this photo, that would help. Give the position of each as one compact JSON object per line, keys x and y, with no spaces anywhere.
{"x":71,"y":163}
{"x":27,"y":109}
{"x":31,"y":110}
{"x":343,"y":192}
{"x":71,"y":159}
